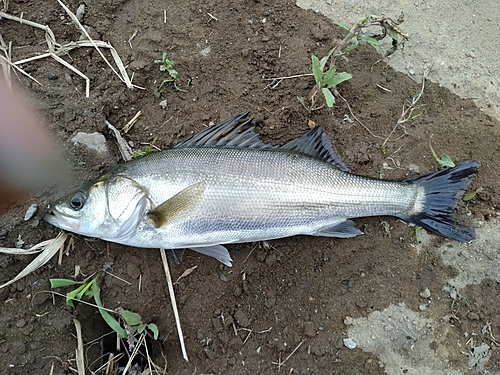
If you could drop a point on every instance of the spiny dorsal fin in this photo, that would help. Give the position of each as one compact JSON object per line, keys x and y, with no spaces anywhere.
{"x":235,"y":132}
{"x":316,"y":143}
{"x":180,"y":205}
{"x":238,"y":132}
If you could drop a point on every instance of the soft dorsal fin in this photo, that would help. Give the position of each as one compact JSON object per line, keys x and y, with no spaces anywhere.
{"x":235,"y":132}
{"x":238,"y":132}
{"x":316,"y":143}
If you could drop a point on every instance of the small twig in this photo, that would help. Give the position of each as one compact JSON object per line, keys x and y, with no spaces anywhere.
{"x":118,"y":277}
{"x":10,"y":63}
{"x":212,"y":17}
{"x":383,"y":88}
{"x":407,"y":112}
{"x":73,"y":69}
{"x":280,"y":364}
{"x":288,"y":77}
{"x":357,"y":120}
{"x":131,"y":123}
{"x":132,"y":38}
{"x":123,"y":146}
{"x":140,"y":342}
{"x":174,"y":303}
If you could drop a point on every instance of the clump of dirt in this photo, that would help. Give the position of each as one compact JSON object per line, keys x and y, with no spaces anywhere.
{"x":249,"y":318}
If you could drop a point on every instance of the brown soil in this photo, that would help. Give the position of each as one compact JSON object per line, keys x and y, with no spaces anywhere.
{"x":244,"y":319}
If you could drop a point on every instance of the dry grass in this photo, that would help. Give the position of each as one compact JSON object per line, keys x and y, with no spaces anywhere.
{"x":48,"y":249}
{"x":174,"y":303}
{"x":55,"y":50}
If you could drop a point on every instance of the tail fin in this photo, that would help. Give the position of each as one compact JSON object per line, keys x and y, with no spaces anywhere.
{"x":442,"y":191}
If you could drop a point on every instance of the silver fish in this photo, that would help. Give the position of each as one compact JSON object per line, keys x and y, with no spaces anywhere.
{"x":224,"y":185}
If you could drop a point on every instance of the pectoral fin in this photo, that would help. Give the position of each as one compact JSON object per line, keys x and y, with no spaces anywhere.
{"x":178,"y":206}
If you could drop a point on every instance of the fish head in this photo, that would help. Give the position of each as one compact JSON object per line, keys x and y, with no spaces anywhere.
{"x":82,"y":211}
{"x":108,"y":208}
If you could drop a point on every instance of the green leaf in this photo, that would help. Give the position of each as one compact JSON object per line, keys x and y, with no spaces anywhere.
{"x":110,"y":320}
{"x":93,"y":290}
{"x":367,"y":18}
{"x":154,"y":328}
{"x":339,"y":78}
{"x":342,"y":25}
{"x":330,"y":99}
{"x":445,"y":161}
{"x":352,"y":45}
{"x":58,"y":283}
{"x":302,"y":101}
{"x":371,"y":40}
{"x":469,"y":196}
{"x":131,"y":318}
{"x":391,"y":32}
{"x":329,"y":76}
{"x":316,"y":68}
{"x":173,"y":73}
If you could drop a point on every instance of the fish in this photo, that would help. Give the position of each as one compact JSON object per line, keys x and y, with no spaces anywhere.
{"x":224,"y":185}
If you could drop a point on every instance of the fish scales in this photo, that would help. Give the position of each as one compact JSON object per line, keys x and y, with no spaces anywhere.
{"x":277,"y":192}
{"x":224,"y":185}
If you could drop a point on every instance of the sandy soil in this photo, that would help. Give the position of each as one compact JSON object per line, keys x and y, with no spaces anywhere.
{"x":410,"y":307}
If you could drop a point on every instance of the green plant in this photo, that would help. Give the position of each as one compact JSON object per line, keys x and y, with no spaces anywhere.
{"x":443,"y":161}
{"x":167,"y":65}
{"x":147,"y":150}
{"x":89,"y":288}
{"x":325,"y":81}
{"x":327,"y":78}
{"x":468,"y":197}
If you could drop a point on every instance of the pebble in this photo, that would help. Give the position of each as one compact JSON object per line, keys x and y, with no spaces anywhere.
{"x":80,"y":11}
{"x":20,"y":323}
{"x":426,"y":293}
{"x":223,"y":277}
{"x":413,"y":168}
{"x":38,"y":291}
{"x":349,"y":343}
{"x":30,"y":212}
{"x":348,"y":321}
{"x":68,"y":78}
{"x":163,"y":104}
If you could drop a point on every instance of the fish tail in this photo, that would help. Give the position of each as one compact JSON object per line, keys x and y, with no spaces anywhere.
{"x":443,"y":189}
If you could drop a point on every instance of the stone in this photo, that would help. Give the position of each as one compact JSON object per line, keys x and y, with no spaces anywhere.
{"x":93,"y":141}
{"x":426,"y":293}
{"x":349,"y":343}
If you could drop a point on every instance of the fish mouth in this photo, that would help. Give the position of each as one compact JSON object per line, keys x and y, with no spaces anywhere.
{"x":61,"y":221}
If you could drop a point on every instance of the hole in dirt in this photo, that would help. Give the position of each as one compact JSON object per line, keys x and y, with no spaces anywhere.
{"x":121,"y":356}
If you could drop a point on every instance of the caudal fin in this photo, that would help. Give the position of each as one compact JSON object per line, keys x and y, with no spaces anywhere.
{"x":442,"y":191}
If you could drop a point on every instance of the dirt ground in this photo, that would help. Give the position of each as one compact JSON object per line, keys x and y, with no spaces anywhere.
{"x":290,"y":304}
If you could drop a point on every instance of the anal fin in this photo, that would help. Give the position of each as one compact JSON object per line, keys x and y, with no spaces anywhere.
{"x":218,"y":252}
{"x":345,"y":229}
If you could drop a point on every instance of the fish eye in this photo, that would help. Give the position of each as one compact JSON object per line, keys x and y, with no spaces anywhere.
{"x":78,"y":201}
